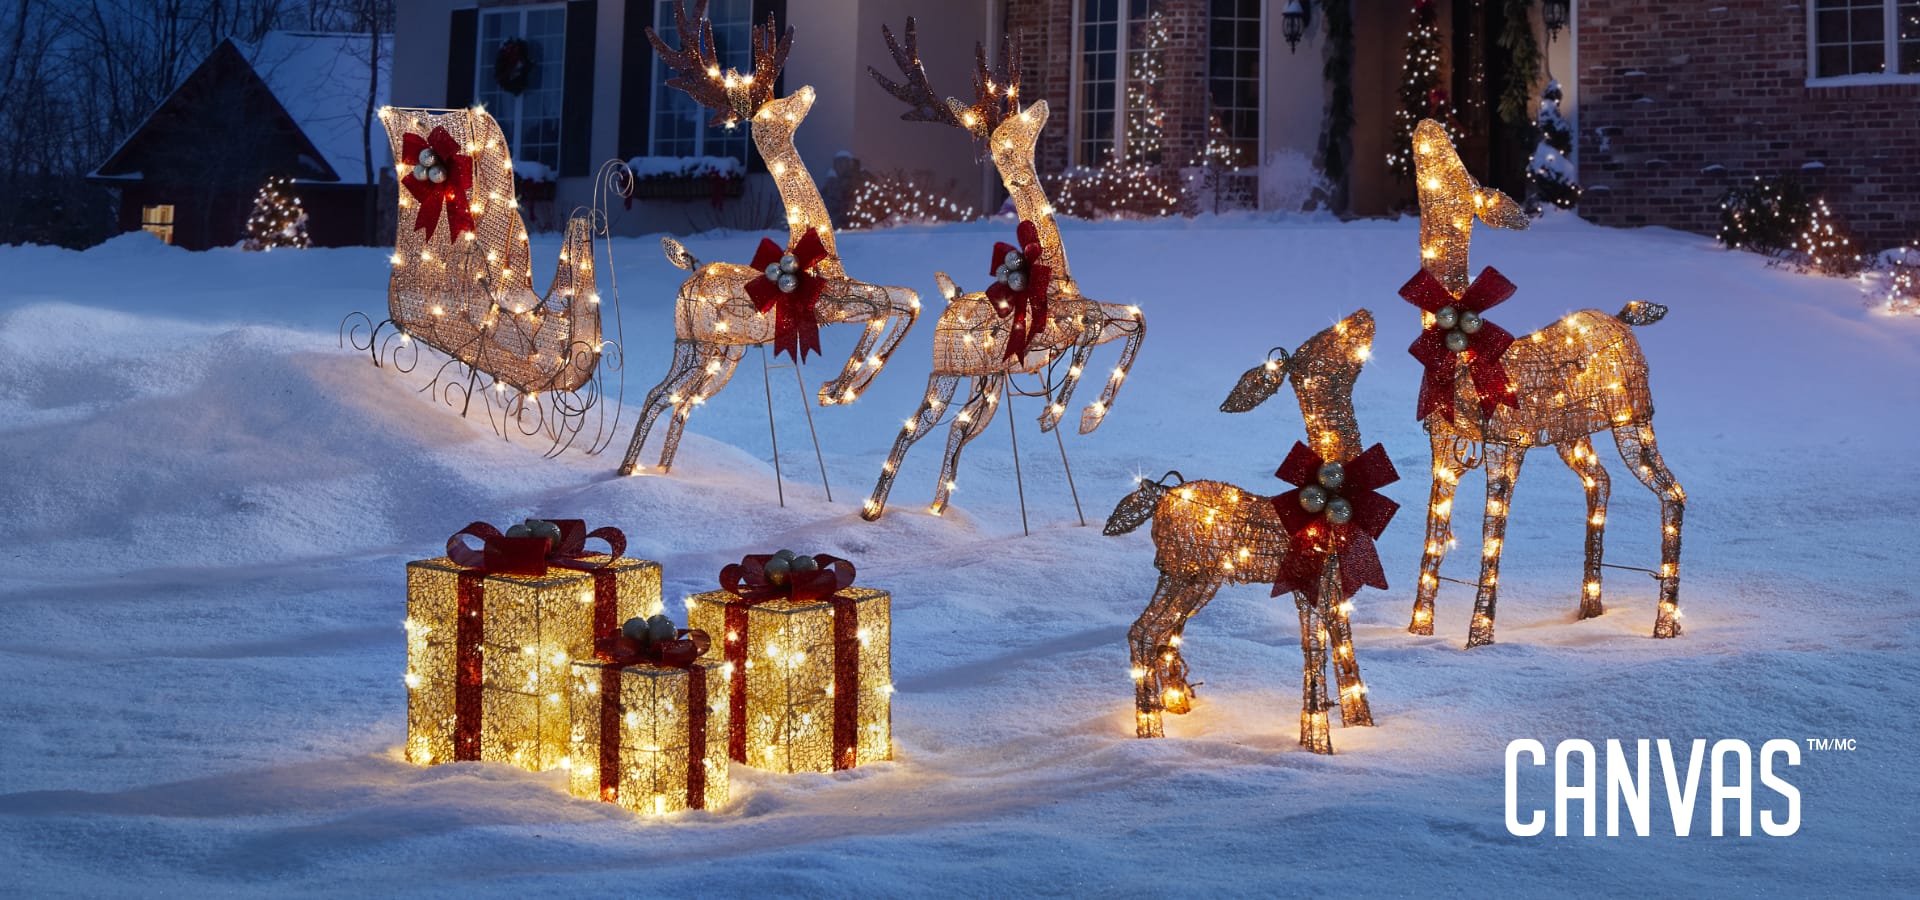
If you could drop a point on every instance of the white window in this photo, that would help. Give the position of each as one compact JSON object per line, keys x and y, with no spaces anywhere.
{"x":531,"y":118}
{"x":158,"y":220}
{"x":1872,"y":40}
{"x":1123,"y":51}
{"x":679,"y":123}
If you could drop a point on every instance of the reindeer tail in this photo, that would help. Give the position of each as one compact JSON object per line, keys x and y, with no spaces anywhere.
{"x":678,"y":254}
{"x":1136,"y":508}
{"x":1641,"y":313}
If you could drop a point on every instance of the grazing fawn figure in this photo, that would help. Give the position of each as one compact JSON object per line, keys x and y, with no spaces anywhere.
{"x":986,"y":337}
{"x":1575,"y":378}
{"x":715,"y":319}
{"x":1207,"y":534}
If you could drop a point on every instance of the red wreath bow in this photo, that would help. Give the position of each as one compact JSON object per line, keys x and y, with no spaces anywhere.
{"x":451,"y":193}
{"x":684,"y":650}
{"x":502,"y":555}
{"x":796,"y":324}
{"x":1027,"y":306}
{"x":1480,"y":346}
{"x":1314,"y":532}
{"x":747,"y":579}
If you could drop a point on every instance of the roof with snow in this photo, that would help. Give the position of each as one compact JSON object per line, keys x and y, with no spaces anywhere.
{"x":319,"y":80}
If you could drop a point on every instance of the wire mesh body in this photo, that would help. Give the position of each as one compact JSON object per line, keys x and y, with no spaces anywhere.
{"x":1580,"y":376}
{"x":470,"y":295}
{"x":1208,"y":534}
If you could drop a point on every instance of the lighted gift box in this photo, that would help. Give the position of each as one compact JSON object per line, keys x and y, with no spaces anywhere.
{"x":652,"y":738}
{"x":489,"y":651}
{"x":808,"y":673}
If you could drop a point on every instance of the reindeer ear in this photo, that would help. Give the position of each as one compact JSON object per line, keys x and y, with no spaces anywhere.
{"x":1501,"y":212}
{"x":1038,"y":110}
{"x":1259,"y":383}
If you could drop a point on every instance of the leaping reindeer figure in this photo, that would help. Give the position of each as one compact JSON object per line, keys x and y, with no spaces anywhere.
{"x":971,"y":340}
{"x":1575,"y":378}
{"x":715,"y":320}
{"x":1209,"y":533}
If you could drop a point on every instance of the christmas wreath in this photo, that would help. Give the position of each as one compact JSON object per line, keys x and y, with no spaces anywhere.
{"x":513,"y":65}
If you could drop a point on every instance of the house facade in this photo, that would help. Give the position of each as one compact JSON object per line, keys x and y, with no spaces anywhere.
{"x":1681,"y":101}
{"x":294,"y":105}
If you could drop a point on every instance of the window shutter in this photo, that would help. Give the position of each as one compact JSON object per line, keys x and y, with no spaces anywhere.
{"x":636,"y":80}
{"x":761,"y":10}
{"x":463,"y":38}
{"x":576,"y":104}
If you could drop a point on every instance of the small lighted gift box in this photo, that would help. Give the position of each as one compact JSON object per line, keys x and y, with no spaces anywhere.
{"x":649,"y":724}
{"x":808,"y":662}
{"x":492,"y":634}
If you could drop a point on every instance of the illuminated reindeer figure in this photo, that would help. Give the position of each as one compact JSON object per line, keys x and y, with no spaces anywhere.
{"x":715,"y":318}
{"x":1207,"y":534}
{"x":982,"y":336}
{"x":1577,"y":377}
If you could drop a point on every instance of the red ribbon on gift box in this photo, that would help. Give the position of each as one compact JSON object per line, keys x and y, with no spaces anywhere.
{"x":683,"y":652}
{"x":530,"y":556}
{"x":747,"y":580}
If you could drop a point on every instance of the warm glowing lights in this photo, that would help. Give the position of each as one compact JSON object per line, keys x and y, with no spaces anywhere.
{"x":652,"y":742}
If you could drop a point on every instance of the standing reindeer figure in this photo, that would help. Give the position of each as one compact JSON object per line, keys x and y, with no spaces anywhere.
{"x":717,"y":315}
{"x":1034,"y":313}
{"x":1562,"y":384}
{"x":1209,"y":533}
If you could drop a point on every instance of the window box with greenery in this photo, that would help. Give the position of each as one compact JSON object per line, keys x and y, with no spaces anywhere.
{"x":687,"y":177}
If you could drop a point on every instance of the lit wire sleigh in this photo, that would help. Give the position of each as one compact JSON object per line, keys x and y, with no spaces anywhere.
{"x":462,"y":284}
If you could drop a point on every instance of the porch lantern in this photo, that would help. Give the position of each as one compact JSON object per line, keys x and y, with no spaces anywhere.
{"x":1293,"y":23}
{"x":1554,"y":13}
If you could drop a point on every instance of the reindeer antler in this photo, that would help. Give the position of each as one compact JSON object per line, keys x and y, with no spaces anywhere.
{"x":732,"y":96}
{"x":996,"y":92}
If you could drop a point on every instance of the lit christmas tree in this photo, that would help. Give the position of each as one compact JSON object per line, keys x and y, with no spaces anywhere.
{"x":1421,"y":96}
{"x":1146,"y":121}
{"x":277,"y":219}
{"x":1551,"y":172}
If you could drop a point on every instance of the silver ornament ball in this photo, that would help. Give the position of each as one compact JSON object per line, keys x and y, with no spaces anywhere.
{"x":805,"y":564}
{"x":1333,"y":475}
{"x":788,"y":283}
{"x":1339,"y":511}
{"x":1447,"y":317}
{"x":1017,"y":281}
{"x":660,"y":628}
{"x":773,"y":272}
{"x":776,"y":570}
{"x":437,"y":175}
{"x":1470,"y":322}
{"x":1456,"y":341}
{"x":1313,"y":498}
{"x":427,"y":158}
{"x":789,"y":264}
{"x":636,"y":628}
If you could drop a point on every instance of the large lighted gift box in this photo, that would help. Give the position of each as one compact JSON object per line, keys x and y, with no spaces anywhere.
{"x":492,"y":634}
{"x":808,"y":662}
{"x":650,"y":723}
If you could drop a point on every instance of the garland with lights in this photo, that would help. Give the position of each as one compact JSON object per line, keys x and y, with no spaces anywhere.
{"x":1550,"y":172}
{"x":1826,"y":246}
{"x":1336,"y":136}
{"x":888,"y":199}
{"x":1421,"y":94}
{"x":1523,"y":62}
{"x":277,"y":219}
{"x":1766,"y":215}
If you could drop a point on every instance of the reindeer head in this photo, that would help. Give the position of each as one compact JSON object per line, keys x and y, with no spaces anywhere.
{"x":1336,"y":354}
{"x":732,"y":96}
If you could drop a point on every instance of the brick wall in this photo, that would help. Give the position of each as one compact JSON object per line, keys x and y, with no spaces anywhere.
{"x":1680,"y":100}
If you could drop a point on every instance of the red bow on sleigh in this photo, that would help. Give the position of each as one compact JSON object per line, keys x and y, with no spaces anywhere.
{"x":1458,"y":331}
{"x":1026,"y":305}
{"x":1334,"y":509}
{"x":796,"y":325}
{"x":450,"y":193}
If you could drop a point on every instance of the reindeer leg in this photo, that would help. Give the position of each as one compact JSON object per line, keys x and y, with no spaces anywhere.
{"x":1082,"y":350}
{"x":1642,"y":454}
{"x":1135,"y":329}
{"x":1579,"y":456}
{"x":866,"y":362}
{"x":1315,"y":732}
{"x":971,"y":421}
{"x":685,"y":359}
{"x":1354,"y":708}
{"x":1159,"y":672}
{"x":939,"y":391}
{"x":711,"y":373}
{"x":1446,"y":478}
{"x":1503,"y":468}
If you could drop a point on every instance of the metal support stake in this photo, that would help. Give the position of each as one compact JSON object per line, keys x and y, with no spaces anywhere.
{"x":807,"y":407}
{"x":1019,"y":485}
{"x":766,"y":377}
{"x":1069,"y":467}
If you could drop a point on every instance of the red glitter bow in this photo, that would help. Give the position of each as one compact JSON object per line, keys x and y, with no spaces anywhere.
{"x":1312,"y":536}
{"x":502,"y":555}
{"x":1484,"y":347}
{"x":684,"y":650}
{"x":451,"y":195}
{"x":796,"y":325}
{"x":747,"y":579}
{"x":1027,"y":307}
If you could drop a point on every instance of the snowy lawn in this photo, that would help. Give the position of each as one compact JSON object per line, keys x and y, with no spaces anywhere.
{"x":210,"y":506}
